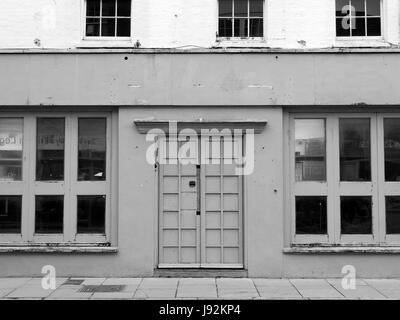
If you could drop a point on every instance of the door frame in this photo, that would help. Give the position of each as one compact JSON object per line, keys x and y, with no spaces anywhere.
{"x":242,"y":233}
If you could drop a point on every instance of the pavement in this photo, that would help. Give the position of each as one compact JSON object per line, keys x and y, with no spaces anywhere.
{"x":197,"y":288}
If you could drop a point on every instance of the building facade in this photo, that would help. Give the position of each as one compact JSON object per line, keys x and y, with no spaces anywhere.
{"x":230,"y":137}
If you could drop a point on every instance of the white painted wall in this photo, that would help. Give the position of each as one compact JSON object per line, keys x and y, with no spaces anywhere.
{"x":179,"y":23}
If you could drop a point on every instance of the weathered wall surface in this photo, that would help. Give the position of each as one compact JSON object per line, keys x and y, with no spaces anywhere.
{"x":179,"y":23}
{"x":240,"y":79}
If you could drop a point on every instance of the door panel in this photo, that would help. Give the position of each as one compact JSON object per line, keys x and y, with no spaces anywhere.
{"x":200,"y":216}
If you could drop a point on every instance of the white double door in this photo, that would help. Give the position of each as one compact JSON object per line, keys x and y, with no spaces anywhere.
{"x":200,"y":215}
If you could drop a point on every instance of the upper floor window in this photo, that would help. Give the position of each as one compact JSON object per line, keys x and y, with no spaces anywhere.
{"x":358,"y":18}
{"x":241,"y":18}
{"x":108,"y":18}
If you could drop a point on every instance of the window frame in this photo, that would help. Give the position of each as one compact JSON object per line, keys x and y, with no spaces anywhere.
{"x":335,"y":189}
{"x":220,"y":38}
{"x":102,"y":38}
{"x":70,"y":187}
{"x":364,"y":38}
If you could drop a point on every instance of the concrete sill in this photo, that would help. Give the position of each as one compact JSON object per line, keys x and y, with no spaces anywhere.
{"x":339,"y":250}
{"x":56,"y":249}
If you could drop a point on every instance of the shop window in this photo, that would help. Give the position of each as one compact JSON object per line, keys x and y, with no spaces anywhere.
{"x":345,"y":181}
{"x":108,"y":18}
{"x":58,"y":184}
{"x":241,"y":18}
{"x":358,"y":18}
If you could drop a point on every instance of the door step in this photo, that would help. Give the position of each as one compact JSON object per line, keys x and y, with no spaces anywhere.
{"x":200,"y":273}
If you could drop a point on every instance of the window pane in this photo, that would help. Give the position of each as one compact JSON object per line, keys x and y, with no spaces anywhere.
{"x":240,"y":8}
{"x":93,"y":27}
{"x":356,"y":215}
{"x":124,"y":27}
{"x":92,"y":149}
{"x":108,"y":27}
{"x":311,"y":217}
{"x":91,"y":214}
{"x":355,"y":150}
{"x":256,"y":27}
{"x":50,"y":149}
{"x":49,"y":214}
{"x":225,"y":8}
{"x":359,"y":6}
{"x":240,"y":26}
{"x":373,"y":27}
{"x":108,"y":8}
{"x":310,"y":150}
{"x":124,"y":8}
{"x":392,"y":149}
{"x":373,"y":7}
{"x":393,"y":215}
{"x":11,"y":139}
{"x":10,"y":214}
{"x":93,"y":8}
{"x":342,"y":6}
{"x":225,"y":28}
{"x":342,"y":29}
{"x":358,"y":27}
{"x":256,"y":8}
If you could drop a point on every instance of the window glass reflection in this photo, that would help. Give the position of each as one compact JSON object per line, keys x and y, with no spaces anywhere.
{"x":92,"y":149}
{"x":311,"y":215}
{"x":392,"y":149}
{"x":10,"y":214}
{"x":49,"y":214}
{"x":310,"y":149}
{"x":355,"y":149}
{"x":11,"y":138}
{"x":356,"y":215}
{"x":393,"y":215}
{"x":50,"y":149}
{"x":91,"y":214}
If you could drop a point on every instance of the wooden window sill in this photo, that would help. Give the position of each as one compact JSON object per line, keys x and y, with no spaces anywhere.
{"x":57,"y":249}
{"x":341,"y":249}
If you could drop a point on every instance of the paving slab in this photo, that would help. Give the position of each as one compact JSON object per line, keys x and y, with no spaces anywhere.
{"x":316,"y":289}
{"x":112,"y":295}
{"x":276,"y":289}
{"x":236,"y":288}
{"x":390,"y":288}
{"x":155,"y":293}
{"x":361,"y":291}
{"x":92,"y":281}
{"x":33,"y":289}
{"x":13,"y":283}
{"x":159,"y":283}
{"x":69,"y":292}
{"x":197,"y":288}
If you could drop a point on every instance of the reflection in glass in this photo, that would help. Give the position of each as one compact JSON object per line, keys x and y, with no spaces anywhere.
{"x":10,"y":214}
{"x":92,"y":149}
{"x":124,"y":8}
{"x":50,"y":149}
{"x":91,"y":214}
{"x":392,"y":149}
{"x":310,"y":150}
{"x":393,"y":215}
{"x":108,"y":8}
{"x":11,"y":137}
{"x":355,"y":150}
{"x":92,"y":27}
{"x":123,"y":27}
{"x":240,"y":28}
{"x":225,"y":28}
{"x":256,"y":8}
{"x":225,"y":8}
{"x":240,"y":8}
{"x":256,"y":27}
{"x":311,"y":217}
{"x":49,"y":214}
{"x":356,"y":215}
